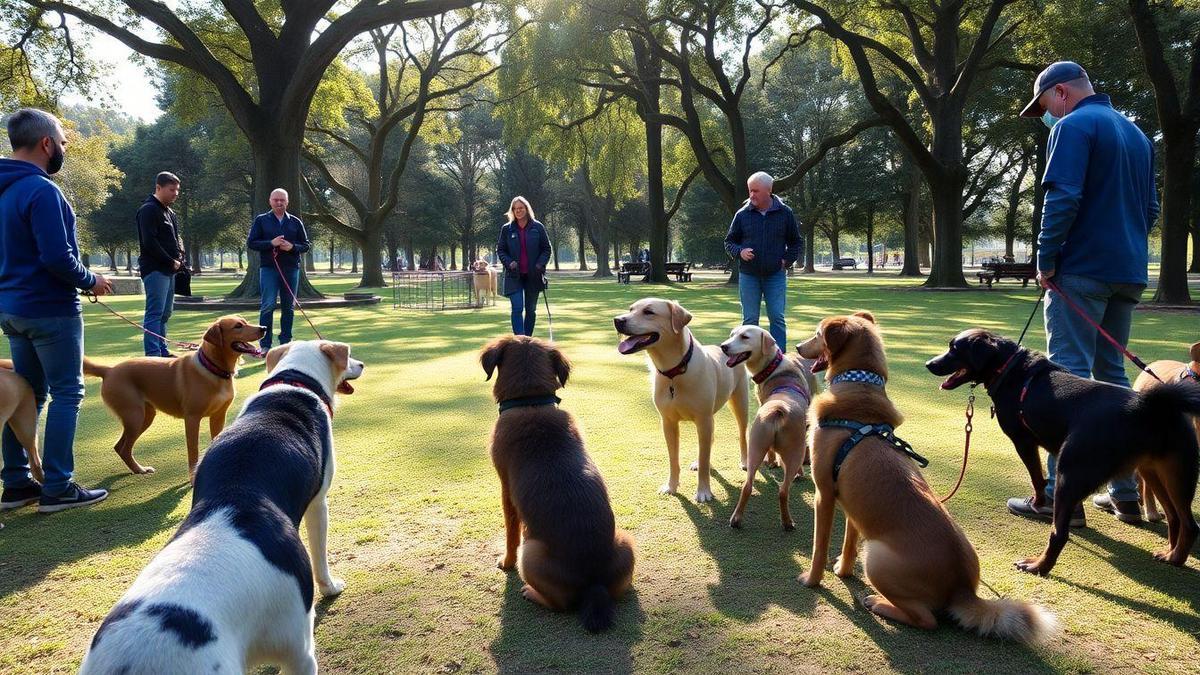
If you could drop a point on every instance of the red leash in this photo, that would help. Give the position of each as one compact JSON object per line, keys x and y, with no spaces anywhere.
{"x":191,"y":346}
{"x":1079,"y":310}
{"x":295,"y":300}
{"x":966,"y":449}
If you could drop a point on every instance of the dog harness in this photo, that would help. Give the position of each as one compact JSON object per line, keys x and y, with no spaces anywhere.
{"x":529,"y":402}
{"x":859,"y":376}
{"x":294,"y":378}
{"x":681,"y":367}
{"x":861,"y":431}
{"x":212,"y":367}
{"x":770,"y":369}
{"x":792,"y":387}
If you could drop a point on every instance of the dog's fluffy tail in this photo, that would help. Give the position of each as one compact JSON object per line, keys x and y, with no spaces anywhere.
{"x":773,"y":413}
{"x":1170,"y":399}
{"x":597,"y":610}
{"x":94,"y":369}
{"x":1005,"y":618}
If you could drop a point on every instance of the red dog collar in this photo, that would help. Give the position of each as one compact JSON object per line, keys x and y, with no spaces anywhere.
{"x":766,"y":372}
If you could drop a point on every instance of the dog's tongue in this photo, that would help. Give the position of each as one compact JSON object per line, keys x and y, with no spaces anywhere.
{"x":631,"y":344}
{"x":954,"y":380}
{"x":820,"y":364}
{"x":344,"y":387}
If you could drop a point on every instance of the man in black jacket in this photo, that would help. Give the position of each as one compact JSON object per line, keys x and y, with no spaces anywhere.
{"x":161,"y":257}
{"x":280,"y":239}
{"x":765,"y":239}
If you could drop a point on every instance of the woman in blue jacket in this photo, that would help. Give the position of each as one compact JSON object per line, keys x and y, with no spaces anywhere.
{"x":524,"y":250}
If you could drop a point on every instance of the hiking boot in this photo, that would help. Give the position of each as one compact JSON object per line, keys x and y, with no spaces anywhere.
{"x":1125,"y":511}
{"x":74,"y":497}
{"x":1024,"y":507}
{"x":15,"y":498}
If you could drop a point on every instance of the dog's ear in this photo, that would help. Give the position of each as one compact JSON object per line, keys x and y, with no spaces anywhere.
{"x":768,"y":343}
{"x":490,"y":357}
{"x":864,"y":314}
{"x":680,"y":317}
{"x":215,"y":335}
{"x":1194,"y":352}
{"x":339,"y":355}
{"x":835,"y":333}
{"x":276,"y":355}
{"x":562,"y":366}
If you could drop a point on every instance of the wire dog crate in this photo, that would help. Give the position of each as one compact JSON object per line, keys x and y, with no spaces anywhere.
{"x":435,"y":291}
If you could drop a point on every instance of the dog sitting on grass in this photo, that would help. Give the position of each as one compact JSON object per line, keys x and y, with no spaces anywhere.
{"x":572,"y":554}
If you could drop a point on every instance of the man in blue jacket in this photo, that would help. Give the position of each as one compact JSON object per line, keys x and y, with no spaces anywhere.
{"x":765,"y":239}
{"x":40,"y":312}
{"x":1100,"y":205}
{"x":278,"y":236}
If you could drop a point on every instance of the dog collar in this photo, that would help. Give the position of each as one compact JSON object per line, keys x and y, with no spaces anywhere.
{"x":682,"y":367}
{"x":294,"y":378}
{"x":1189,"y":373}
{"x":861,"y":431}
{"x":212,"y":367}
{"x":793,"y":387}
{"x":529,"y":402}
{"x":859,"y":376}
{"x":770,"y":369}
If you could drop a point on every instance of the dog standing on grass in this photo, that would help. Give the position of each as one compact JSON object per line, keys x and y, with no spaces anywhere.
{"x":1169,"y":371}
{"x":18,"y":409}
{"x":915,"y":555}
{"x":572,"y":554}
{"x":485,"y":281}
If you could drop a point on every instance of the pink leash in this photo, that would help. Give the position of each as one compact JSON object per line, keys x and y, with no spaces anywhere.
{"x":295,"y":300}
{"x":191,"y":346}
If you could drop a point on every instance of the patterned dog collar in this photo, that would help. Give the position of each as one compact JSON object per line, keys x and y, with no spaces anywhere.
{"x":860,"y":376}
{"x":770,"y":369}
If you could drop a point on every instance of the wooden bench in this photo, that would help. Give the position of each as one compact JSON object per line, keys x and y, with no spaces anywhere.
{"x":995,"y":270}
{"x":630,"y":269}
{"x":680,"y":270}
{"x":843,"y":263}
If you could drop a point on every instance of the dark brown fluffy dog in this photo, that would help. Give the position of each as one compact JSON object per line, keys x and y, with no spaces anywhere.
{"x":915,"y":556}
{"x":572,"y":554}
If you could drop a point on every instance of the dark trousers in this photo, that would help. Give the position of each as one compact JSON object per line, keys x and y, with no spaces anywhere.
{"x":524,"y":306}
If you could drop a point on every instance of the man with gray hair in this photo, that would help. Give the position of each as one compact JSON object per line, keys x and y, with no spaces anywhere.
{"x":280,"y":239}
{"x":765,"y":239}
{"x":40,"y":275}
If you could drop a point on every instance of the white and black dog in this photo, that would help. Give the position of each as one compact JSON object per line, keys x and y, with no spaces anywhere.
{"x":234,"y":586}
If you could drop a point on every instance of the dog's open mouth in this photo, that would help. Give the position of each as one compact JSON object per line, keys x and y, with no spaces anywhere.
{"x":344,"y":387}
{"x":245,"y":348}
{"x":737,"y":358}
{"x":820,"y":364}
{"x":957,"y":378}
{"x":637,"y":343}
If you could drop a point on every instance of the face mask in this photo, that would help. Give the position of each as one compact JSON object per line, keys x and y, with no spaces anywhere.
{"x":1049,"y":120}
{"x":56,"y":160}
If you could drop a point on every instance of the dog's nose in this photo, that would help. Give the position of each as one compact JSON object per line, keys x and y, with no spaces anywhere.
{"x":725,"y":349}
{"x":619,"y":323}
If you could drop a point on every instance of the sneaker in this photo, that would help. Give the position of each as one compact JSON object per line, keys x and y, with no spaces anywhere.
{"x":1125,"y":511}
{"x":74,"y":497}
{"x":15,"y":498}
{"x":1024,"y":507}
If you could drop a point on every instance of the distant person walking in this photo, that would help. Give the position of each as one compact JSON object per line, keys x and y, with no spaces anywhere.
{"x":524,"y":250}
{"x":40,"y":274}
{"x":161,"y":258}
{"x":277,"y":235}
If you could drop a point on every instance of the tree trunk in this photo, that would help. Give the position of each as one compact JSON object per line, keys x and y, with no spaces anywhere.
{"x":809,"y":247}
{"x":1178,"y":162}
{"x":583,"y":266}
{"x":912,"y":225}
{"x":1195,"y":268}
{"x":128,"y":261}
{"x":946,"y":271}
{"x":924,"y":240}
{"x":310,"y":263}
{"x":1010,"y":215}
{"x":870,"y":240}
{"x":453,"y":257}
{"x":353,"y":259}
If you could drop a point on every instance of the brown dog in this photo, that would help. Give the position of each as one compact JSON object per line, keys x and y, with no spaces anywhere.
{"x":1167,"y":371}
{"x":572,"y":553}
{"x":18,"y":409}
{"x":191,"y":387}
{"x":915,"y":556}
{"x":485,"y":281}
{"x":781,"y":425}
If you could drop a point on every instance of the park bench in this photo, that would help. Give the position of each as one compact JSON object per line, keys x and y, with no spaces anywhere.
{"x":843,"y":263}
{"x":630,"y":269}
{"x":680,"y":270}
{"x":995,"y":270}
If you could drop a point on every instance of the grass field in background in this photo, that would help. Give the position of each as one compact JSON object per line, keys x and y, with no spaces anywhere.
{"x":416,"y":522}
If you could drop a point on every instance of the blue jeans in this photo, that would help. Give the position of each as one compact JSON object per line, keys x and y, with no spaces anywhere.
{"x":271,"y":286}
{"x":524,"y":306}
{"x":753,"y":290}
{"x":48,"y":353}
{"x":1075,"y":345}
{"x":160,"y":302}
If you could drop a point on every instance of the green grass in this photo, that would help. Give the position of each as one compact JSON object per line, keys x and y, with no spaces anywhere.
{"x":416,"y":522}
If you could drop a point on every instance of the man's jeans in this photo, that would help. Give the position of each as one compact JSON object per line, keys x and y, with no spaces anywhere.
{"x":48,"y":353}
{"x":160,"y":302}
{"x":272,"y":286}
{"x":752,"y":290}
{"x":1079,"y":348}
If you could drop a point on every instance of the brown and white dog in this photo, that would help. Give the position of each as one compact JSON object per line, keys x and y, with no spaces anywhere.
{"x":191,"y":387}
{"x":485,"y":281}
{"x":1167,"y":371}
{"x":915,"y":555}
{"x":18,"y":409}
{"x":690,"y":382}
{"x":781,"y":425}
{"x":572,"y":555}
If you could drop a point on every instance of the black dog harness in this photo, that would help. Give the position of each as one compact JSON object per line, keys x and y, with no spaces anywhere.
{"x":861,"y":431}
{"x":529,"y":402}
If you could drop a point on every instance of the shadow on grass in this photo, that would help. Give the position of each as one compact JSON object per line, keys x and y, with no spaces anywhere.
{"x":534,"y":639}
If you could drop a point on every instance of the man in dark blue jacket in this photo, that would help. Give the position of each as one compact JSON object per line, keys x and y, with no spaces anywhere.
{"x":1100,"y":205}
{"x":160,"y":259}
{"x":765,"y":239}
{"x":40,"y":312}
{"x":278,"y":236}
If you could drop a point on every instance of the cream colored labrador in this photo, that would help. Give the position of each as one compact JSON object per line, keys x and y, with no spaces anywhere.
{"x":691,"y":382}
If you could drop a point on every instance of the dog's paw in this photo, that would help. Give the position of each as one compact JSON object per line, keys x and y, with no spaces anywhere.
{"x":1032,"y":566}
{"x":146,"y":470}
{"x":735,"y":522}
{"x":506,"y":562}
{"x":811,"y":578}
{"x":332,"y":588}
{"x":869,"y":601}
{"x":789,"y":526}
{"x":703,"y":495}
{"x":696,"y":466}
{"x":668,"y":488}
{"x":841,"y":569}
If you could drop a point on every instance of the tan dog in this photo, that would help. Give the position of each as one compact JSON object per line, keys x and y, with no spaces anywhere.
{"x":915,"y":556}
{"x":781,"y":425}
{"x":18,"y":409}
{"x":1167,"y":371}
{"x":192,"y":387}
{"x":691,"y":382}
{"x":485,"y":281}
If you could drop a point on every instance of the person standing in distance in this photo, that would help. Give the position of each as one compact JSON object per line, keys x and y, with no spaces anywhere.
{"x":40,"y":312}
{"x":524,"y":250}
{"x":161,"y":257}
{"x":277,"y":236}
{"x":764,"y":238}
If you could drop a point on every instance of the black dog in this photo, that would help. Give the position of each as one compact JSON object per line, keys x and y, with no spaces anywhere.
{"x":1098,"y":430}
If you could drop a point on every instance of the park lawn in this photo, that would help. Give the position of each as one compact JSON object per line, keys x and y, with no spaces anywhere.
{"x":416,"y":523}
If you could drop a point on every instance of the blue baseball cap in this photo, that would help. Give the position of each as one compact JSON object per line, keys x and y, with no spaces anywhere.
{"x":1056,"y":73}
